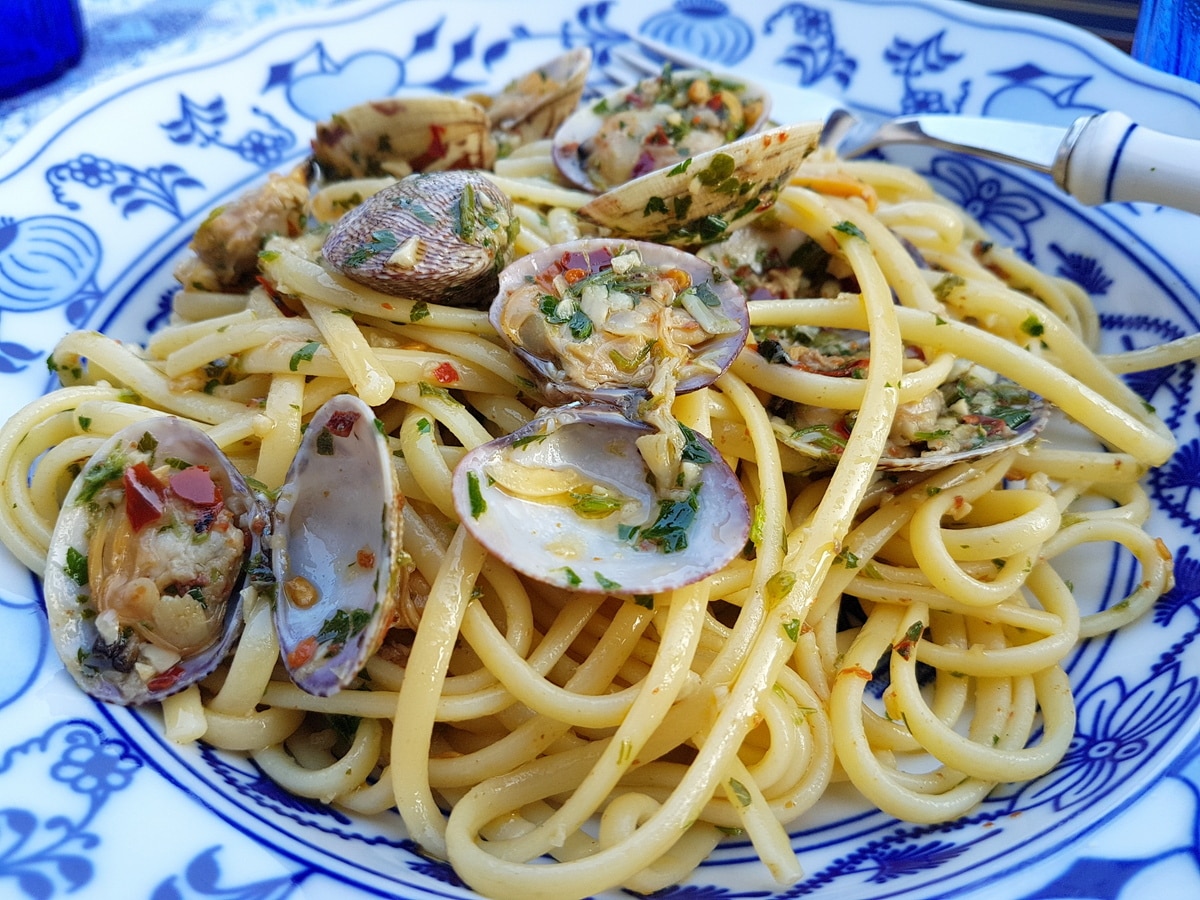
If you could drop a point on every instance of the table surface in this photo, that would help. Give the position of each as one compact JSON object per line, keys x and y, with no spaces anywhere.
{"x":125,"y":34}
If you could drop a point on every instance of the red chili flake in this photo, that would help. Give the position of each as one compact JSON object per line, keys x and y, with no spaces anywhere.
{"x":857,"y":672}
{"x":341,"y":423}
{"x":387,"y":107}
{"x":436,"y":150}
{"x":196,"y":486}
{"x":143,"y":496}
{"x":716,"y":103}
{"x":657,"y":138}
{"x":445,"y":373}
{"x":574,"y":275}
{"x":304,"y":651}
{"x":164,"y":681}
{"x":365,"y":558}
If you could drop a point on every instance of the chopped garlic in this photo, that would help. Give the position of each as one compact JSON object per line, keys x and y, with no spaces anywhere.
{"x":408,"y":254}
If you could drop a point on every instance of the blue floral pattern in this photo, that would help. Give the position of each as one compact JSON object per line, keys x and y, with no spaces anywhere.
{"x":815,"y":55}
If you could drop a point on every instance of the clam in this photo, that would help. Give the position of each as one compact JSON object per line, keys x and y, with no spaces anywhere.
{"x":336,"y":542}
{"x":569,"y":500}
{"x":973,"y":413}
{"x":655,"y":124}
{"x":402,"y":135}
{"x":601,"y":319}
{"x":534,"y":105}
{"x":704,"y":197}
{"x":440,"y":237}
{"x":147,"y":560}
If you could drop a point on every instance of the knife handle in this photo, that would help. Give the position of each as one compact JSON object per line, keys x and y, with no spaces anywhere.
{"x":1109,"y":158}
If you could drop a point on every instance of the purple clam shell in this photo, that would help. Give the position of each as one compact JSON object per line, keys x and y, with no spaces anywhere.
{"x":721,"y":349}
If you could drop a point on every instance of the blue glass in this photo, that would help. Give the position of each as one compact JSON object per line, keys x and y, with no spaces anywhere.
{"x":1168,"y":36}
{"x":39,"y":40}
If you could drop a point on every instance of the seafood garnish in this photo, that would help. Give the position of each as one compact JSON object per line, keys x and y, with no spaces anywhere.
{"x":974,"y":412}
{"x":441,"y":237}
{"x":655,"y":124}
{"x":147,"y":560}
{"x":569,"y":500}
{"x":615,"y":320}
{"x":705,"y":197}
{"x":336,"y":548}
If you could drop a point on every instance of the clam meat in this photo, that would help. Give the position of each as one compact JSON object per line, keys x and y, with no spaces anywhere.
{"x":569,"y":500}
{"x":147,"y":561}
{"x":616,"y":320}
{"x":441,"y":237}
{"x":336,"y":548}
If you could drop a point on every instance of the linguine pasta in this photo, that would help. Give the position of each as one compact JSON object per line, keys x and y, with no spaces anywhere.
{"x":624,"y":739}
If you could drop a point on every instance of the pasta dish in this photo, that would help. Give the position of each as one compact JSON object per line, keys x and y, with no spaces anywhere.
{"x":582,"y":538}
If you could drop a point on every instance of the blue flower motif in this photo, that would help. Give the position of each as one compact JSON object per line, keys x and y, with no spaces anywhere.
{"x":903,"y":861}
{"x":703,"y":27}
{"x":1116,"y":728}
{"x":91,"y":767}
{"x":1006,"y":213}
{"x":816,"y":55}
{"x":91,"y":171}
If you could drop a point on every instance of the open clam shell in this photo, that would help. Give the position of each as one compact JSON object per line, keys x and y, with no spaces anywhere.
{"x":401,"y":135}
{"x":595,"y":319}
{"x":972,"y":414}
{"x":704,"y":197}
{"x":336,"y":542}
{"x":147,"y":560}
{"x":656,"y":124}
{"x":533,"y":106}
{"x":440,"y":237}
{"x":567,"y":500}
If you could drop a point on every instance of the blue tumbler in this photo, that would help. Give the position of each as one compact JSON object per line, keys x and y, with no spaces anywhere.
{"x":39,"y":40}
{"x":1168,"y":36}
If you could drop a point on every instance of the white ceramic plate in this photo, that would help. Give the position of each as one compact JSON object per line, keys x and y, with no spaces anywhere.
{"x":97,"y":202}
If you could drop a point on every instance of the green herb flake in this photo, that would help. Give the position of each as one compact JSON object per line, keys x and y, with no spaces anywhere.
{"x":475,"y":495}
{"x":757,"y":524}
{"x":792,"y":629}
{"x":680,"y":168}
{"x":646,"y":600}
{"x":719,"y":169}
{"x":849,"y":229}
{"x":424,"y":426}
{"x":779,"y":586}
{"x":594,"y":506}
{"x":655,"y":205}
{"x":573,"y":580}
{"x":946,"y":286}
{"x":343,"y":625}
{"x":304,"y":354}
{"x":325,"y":442}
{"x":669,"y":532}
{"x":607,"y":583}
{"x":98,"y":476}
{"x":85,"y":423}
{"x":1033,"y":326}
{"x":693,"y":450}
{"x":425,"y":389}
{"x":381,"y":242}
{"x":76,"y":566}
{"x":739,"y":792}
{"x":419,"y":311}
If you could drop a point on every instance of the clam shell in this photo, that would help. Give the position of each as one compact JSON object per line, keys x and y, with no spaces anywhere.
{"x":705,"y":197}
{"x":402,"y":135}
{"x":336,"y":541}
{"x":580,"y":154}
{"x":533,"y":106}
{"x":129,"y":668}
{"x":440,"y":237}
{"x":552,"y":542}
{"x":523,"y":330}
